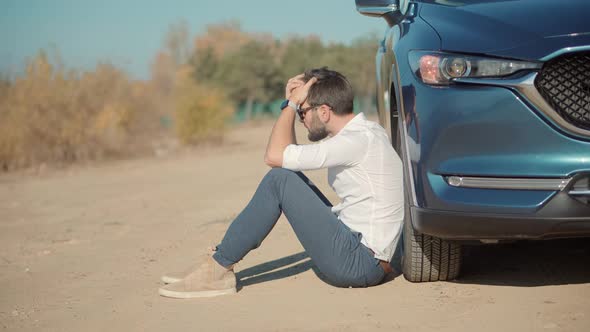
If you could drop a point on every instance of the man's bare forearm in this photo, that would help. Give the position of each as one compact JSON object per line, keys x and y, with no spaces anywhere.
{"x":282,"y":134}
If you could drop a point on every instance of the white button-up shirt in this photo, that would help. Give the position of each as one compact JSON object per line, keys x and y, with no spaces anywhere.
{"x":366,"y":173}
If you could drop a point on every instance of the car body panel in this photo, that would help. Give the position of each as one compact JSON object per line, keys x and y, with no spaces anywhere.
{"x":482,"y":130}
{"x":492,"y":26}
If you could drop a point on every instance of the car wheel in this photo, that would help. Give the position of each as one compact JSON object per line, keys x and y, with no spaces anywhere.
{"x":428,"y":258}
{"x":425,"y":257}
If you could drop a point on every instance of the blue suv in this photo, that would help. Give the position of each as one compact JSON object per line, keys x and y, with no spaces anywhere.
{"x":488,"y":104}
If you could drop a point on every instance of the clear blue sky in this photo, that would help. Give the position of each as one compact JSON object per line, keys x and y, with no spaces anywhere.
{"x":129,"y":32}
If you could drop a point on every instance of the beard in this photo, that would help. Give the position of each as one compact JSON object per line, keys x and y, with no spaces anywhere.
{"x":317,"y":130}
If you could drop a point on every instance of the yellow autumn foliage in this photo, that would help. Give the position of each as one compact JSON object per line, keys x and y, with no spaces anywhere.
{"x":201,"y":111}
{"x":53,"y":115}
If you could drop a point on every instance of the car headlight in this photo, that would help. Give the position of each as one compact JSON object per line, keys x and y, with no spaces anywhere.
{"x":440,"y":68}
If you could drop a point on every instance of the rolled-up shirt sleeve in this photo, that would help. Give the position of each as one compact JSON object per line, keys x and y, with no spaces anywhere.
{"x":340,"y":150}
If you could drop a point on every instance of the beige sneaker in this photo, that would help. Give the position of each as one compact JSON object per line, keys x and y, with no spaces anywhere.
{"x":208,"y":280}
{"x":170,"y":278}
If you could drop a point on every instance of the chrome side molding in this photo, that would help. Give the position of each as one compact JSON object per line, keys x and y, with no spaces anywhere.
{"x":554,"y":184}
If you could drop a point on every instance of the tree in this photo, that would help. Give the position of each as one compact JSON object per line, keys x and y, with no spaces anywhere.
{"x":201,"y":111}
{"x":363,"y":71}
{"x":249,"y":75}
{"x":222,"y":39}
{"x":163,"y":71}
{"x":4,"y":85}
{"x":299,"y":54}
{"x":176,"y":42}
{"x":205,"y":64}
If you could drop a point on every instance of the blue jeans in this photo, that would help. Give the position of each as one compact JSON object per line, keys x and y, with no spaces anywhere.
{"x":334,"y":248}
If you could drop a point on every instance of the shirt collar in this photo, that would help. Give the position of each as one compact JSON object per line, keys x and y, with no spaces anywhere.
{"x":357,"y":119}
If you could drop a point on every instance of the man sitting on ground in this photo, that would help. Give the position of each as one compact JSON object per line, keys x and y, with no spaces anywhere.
{"x":351,"y":243}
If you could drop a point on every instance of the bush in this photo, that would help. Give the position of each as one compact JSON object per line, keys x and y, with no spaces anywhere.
{"x":201,"y":111}
{"x":50,"y":115}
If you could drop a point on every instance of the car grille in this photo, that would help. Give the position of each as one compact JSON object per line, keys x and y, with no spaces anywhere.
{"x":564,"y":83}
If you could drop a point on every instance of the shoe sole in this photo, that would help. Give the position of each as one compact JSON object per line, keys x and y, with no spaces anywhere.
{"x":192,"y":295}
{"x":169,"y":280}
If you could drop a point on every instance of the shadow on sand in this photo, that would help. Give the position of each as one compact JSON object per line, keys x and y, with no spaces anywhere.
{"x":275,"y":269}
{"x":521,"y":264}
{"x":528,"y":263}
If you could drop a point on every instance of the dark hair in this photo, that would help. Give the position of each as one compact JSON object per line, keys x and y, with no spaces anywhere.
{"x":331,"y":89}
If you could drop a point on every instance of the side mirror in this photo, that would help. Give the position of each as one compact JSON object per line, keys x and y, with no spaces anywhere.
{"x":390,"y":10}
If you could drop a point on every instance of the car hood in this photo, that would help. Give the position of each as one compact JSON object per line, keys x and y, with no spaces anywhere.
{"x":526,"y":29}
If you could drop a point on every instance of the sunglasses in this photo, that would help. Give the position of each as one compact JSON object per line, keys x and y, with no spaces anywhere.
{"x":301,"y":111}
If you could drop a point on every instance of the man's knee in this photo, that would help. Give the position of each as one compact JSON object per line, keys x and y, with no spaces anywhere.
{"x":281,"y":177}
{"x":281,"y":172}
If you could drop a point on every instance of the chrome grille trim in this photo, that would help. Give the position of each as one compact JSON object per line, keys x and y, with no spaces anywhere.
{"x":567,"y":49}
{"x":526,"y":86}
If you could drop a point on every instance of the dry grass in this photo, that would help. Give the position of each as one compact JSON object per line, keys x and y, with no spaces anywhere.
{"x":52,"y":115}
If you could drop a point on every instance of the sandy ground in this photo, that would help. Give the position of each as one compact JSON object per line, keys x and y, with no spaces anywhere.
{"x":83,"y":249}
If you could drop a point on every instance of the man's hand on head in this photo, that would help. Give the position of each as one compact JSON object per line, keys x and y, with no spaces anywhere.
{"x":296,"y":90}
{"x":292,"y":84}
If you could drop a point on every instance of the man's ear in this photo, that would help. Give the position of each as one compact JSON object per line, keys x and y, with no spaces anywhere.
{"x":324,"y":113}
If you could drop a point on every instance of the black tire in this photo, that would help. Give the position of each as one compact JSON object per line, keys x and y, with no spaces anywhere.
{"x":428,"y":258}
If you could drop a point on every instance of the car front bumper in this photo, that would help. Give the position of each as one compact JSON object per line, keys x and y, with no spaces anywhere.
{"x":561,"y":217}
